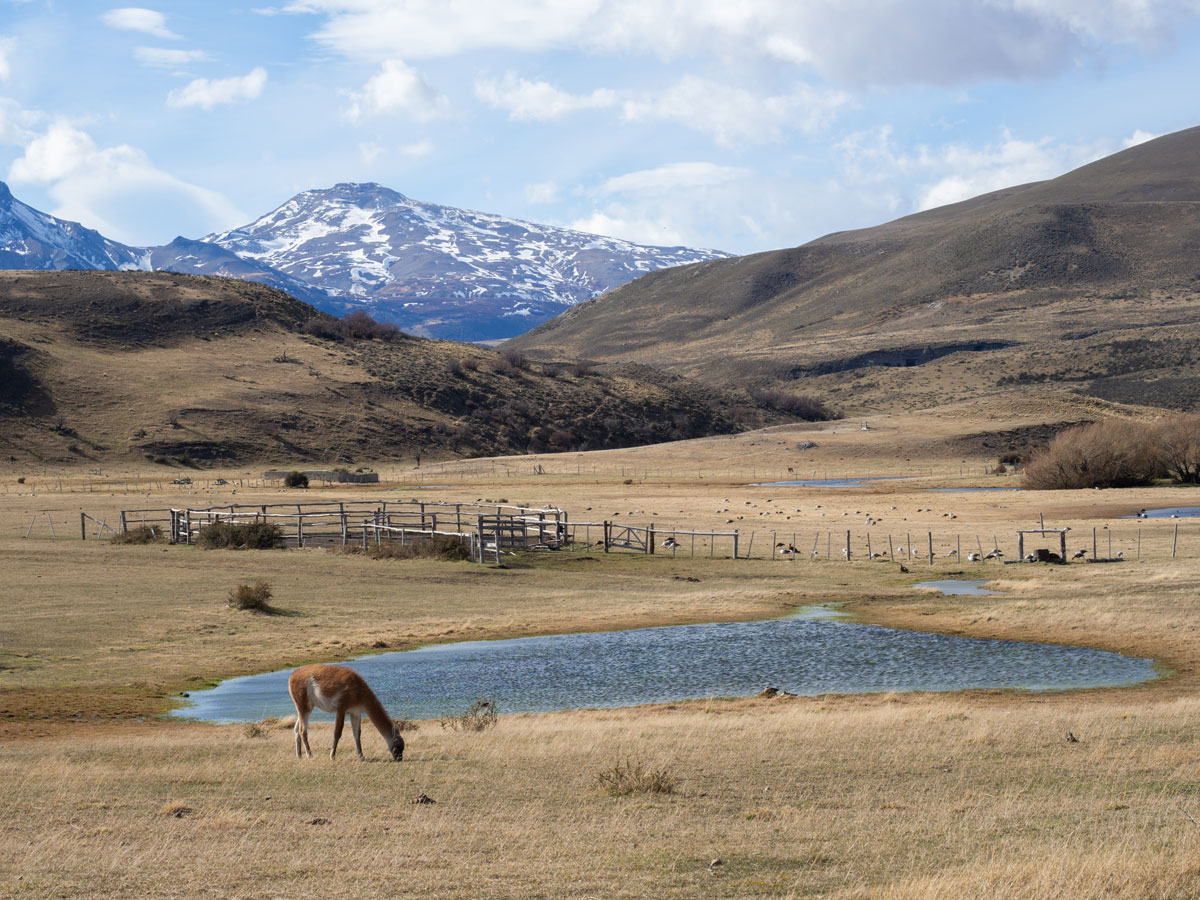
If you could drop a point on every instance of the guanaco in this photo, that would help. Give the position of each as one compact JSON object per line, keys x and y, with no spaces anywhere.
{"x":341,"y":691}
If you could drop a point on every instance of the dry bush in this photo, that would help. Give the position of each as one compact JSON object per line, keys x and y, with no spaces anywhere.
{"x":254,"y":597}
{"x":143,"y":534}
{"x":1178,"y":440}
{"x":247,"y":536}
{"x":295,"y":479}
{"x":358,"y":326}
{"x":631,"y":777}
{"x":441,"y":546}
{"x":479,"y":716}
{"x":802,"y":406}
{"x":254,"y":730}
{"x":1106,"y":454}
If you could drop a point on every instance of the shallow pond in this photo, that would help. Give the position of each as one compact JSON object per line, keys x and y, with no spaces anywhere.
{"x":830,"y":482}
{"x":958,"y":587}
{"x":803,"y":654}
{"x":1170,"y":512}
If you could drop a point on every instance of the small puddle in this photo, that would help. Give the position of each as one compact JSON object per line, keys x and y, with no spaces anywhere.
{"x":958,"y":587}
{"x":830,"y":482}
{"x":811,"y":653}
{"x":970,"y":490}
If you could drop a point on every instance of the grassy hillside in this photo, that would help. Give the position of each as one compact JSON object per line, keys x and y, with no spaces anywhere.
{"x":174,"y":368}
{"x":1087,"y":281}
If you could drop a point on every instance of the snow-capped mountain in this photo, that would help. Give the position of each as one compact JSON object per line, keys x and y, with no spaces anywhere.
{"x":433,"y":270}
{"x":437,"y":270}
{"x":30,"y":239}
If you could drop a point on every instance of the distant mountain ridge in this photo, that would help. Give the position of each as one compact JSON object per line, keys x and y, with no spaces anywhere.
{"x":433,"y":270}
{"x":1089,"y":281}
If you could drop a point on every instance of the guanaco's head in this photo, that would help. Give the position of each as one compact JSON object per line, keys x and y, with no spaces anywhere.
{"x":397,"y":744}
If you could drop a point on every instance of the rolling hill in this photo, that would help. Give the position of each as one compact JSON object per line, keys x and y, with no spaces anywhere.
{"x":1087,"y":282}
{"x":182,"y":370}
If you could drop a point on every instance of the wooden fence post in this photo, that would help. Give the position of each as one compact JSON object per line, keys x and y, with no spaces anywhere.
{"x":847,"y":546}
{"x":931,"y":548}
{"x":607,"y":534}
{"x":650,"y":538}
{"x":83,"y":527}
{"x":1175,"y":540}
{"x":735,"y":543}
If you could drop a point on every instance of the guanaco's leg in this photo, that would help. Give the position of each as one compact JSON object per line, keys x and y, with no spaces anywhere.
{"x":356,"y":727}
{"x":302,"y":734}
{"x":337,"y":733}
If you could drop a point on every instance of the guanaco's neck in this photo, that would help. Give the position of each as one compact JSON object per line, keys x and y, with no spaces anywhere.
{"x":378,"y":715}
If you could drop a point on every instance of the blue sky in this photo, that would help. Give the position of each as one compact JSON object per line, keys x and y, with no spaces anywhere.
{"x":740,"y":126}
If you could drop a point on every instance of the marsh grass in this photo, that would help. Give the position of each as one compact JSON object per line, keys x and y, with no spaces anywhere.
{"x":633,"y":777}
{"x":479,"y":716}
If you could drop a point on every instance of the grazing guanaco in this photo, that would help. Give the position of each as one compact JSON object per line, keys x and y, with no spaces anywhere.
{"x":343,"y":692}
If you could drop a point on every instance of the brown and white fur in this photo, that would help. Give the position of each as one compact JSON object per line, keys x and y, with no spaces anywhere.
{"x":343,"y":692}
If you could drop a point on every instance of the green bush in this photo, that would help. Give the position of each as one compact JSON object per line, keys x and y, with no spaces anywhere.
{"x":248,"y":536}
{"x":295,"y":479}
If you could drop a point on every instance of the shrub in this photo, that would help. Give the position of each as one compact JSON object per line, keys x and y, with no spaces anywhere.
{"x":254,"y":597}
{"x":1179,"y":444}
{"x":441,"y":546}
{"x":295,"y":479}
{"x":21,"y":480}
{"x":580,"y":369}
{"x":1105,"y":454}
{"x":358,"y":326}
{"x":631,"y":777}
{"x":248,"y":536}
{"x":143,"y":534}
{"x":802,"y":406}
{"x":479,"y":716}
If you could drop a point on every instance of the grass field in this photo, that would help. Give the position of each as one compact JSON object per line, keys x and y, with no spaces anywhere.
{"x":978,"y":794}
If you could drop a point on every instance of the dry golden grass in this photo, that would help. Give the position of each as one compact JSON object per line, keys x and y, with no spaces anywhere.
{"x":894,"y":796}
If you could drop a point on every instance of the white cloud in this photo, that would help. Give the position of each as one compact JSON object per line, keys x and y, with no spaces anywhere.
{"x":851,"y":41}
{"x":537,"y":100}
{"x":206,"y":93}
{"x":734,"y":116}
{"x":112,"y":188}
{"x":417,"y":149}
{"x":628,"y":225}
{"x":15,"y":123}
{"x":971,"y":171}
{"x":168,"y":58}
{"x":1138,"y":137}
{"x":134,"y":18}
{"x":397,"y":88}
{"x":542,"y":192}
{"x":937,"y":176}
{"x":672,"y":177}
{"x":6,"y":46}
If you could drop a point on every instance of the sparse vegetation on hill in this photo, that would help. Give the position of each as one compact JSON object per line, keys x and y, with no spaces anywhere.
{"x":191,"y":371}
